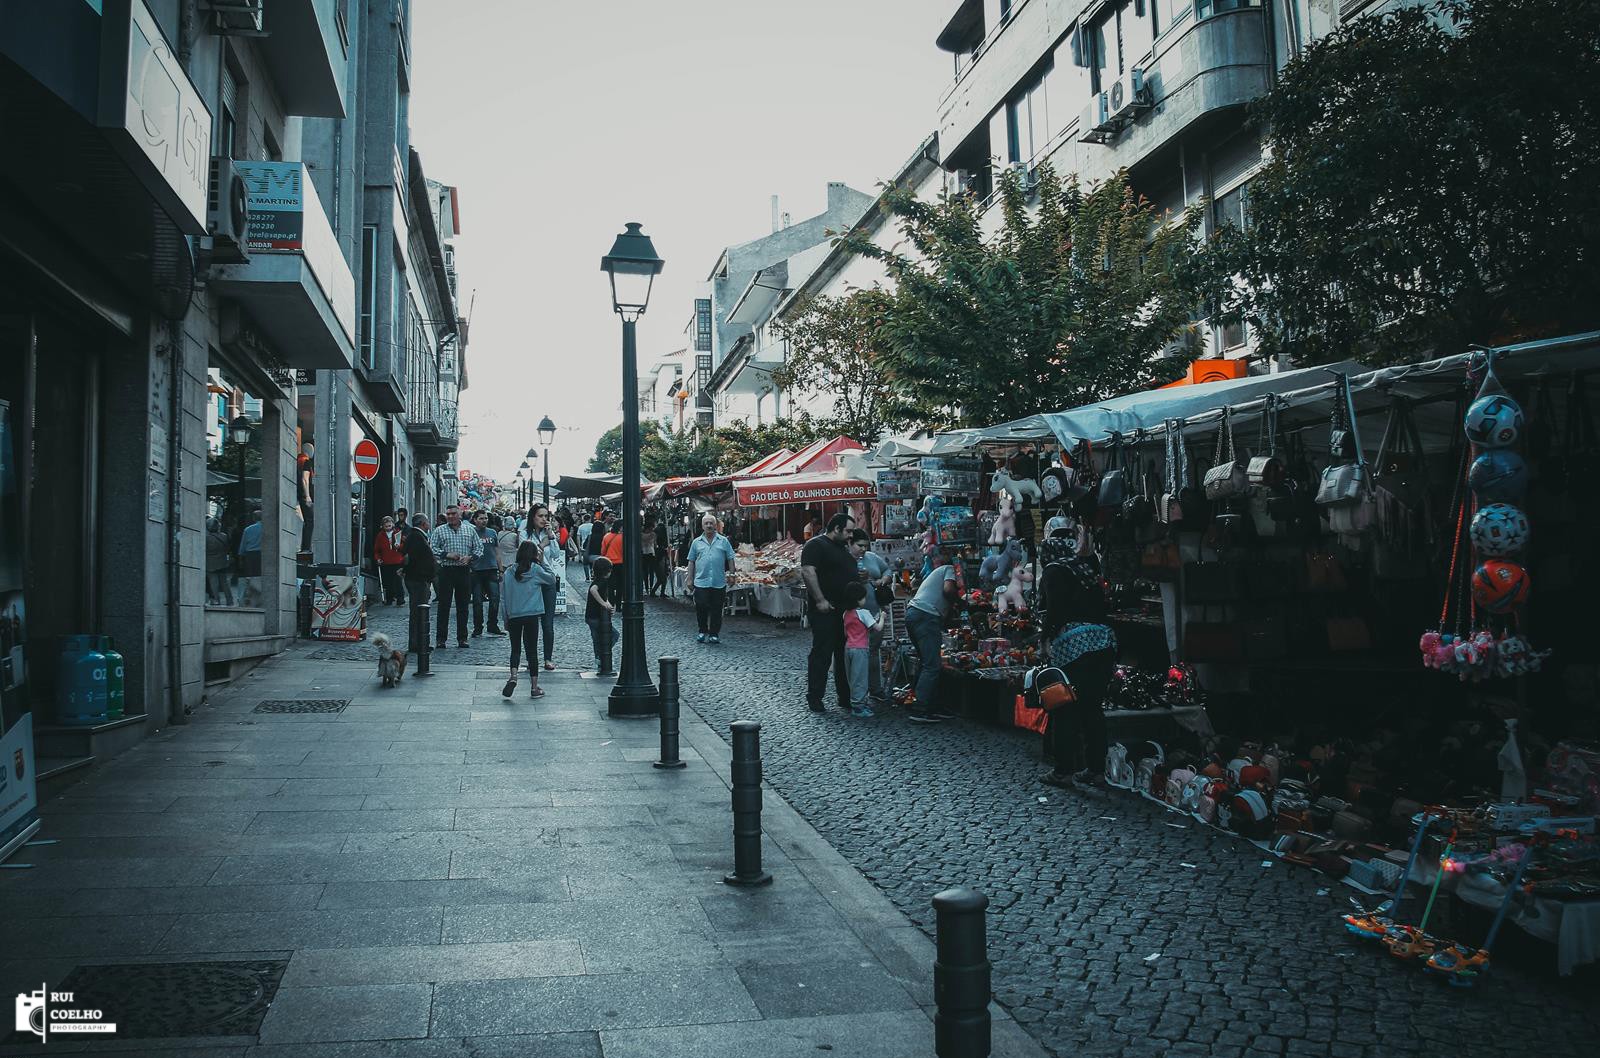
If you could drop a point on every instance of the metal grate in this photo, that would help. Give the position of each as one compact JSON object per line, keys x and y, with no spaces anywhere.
{"x":302,"y":705}
{"x":154,"y":1000}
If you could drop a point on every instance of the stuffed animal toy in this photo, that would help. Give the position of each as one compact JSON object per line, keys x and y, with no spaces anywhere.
{"x":1011,"y":598}
{"x":996,"y":568}
{"x":1016,"y":488}
{"x":1005,"y":523}
{"x":928,"y":516}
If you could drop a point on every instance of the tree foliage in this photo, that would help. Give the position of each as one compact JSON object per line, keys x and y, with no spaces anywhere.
{"x":1064,"y":305}
{"x":834,"y":347}
{"x":1431,"y":183}
{"x":742,"y":444}
{"x":607,"y":458}
{"x":664,"y":454}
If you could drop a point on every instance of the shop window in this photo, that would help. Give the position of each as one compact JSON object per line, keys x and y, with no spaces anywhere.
{"x":234,"y":448}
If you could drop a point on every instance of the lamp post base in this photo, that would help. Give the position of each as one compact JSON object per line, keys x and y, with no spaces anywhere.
{"x":634,"y":694}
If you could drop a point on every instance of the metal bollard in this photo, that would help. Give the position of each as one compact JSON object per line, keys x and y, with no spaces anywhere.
{"x":421,"y":626}
{"x":668,"y":688}
{"x":747,"y":806}
{"x":961,"y":975}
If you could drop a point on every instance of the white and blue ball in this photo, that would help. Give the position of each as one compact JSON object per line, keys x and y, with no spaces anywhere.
{"x":1499,"y":529}
{"x":1494,"y":421}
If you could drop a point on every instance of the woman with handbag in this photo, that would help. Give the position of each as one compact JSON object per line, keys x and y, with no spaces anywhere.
{"x":1083,"y":646}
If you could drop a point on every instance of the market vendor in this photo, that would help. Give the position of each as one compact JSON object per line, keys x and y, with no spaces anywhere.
{"x":710,"y":569}
{"x":925,"y":617}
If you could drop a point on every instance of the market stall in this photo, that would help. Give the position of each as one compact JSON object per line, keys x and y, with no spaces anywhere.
{"x":1368,"y":581}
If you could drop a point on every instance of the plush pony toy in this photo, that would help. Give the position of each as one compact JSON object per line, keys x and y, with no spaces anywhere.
{"x":928,"y":518}
{"x":997,"y":567}
{"x":1011,"y":598}
{"x":1005,"y":522}
{"x":1016,"y":488}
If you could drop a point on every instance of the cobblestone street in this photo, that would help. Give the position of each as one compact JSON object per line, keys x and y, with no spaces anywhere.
{"x":1086,"y":886}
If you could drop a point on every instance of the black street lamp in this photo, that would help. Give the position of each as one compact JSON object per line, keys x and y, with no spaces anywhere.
{"x":632,"y":266}
{"x":547,"y":433}
{"x":524,"y":481}
{"x":239,"y":431}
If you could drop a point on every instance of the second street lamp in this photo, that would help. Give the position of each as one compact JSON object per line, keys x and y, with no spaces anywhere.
{"x":547,"y":433}
{"x":632,"y":266}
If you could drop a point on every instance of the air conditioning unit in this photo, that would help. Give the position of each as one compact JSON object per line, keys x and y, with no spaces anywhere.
{"x":242,"y":17}
{"x":1127,"y":96}
{"x":1092,"y":125}
{"x":228,"y":214}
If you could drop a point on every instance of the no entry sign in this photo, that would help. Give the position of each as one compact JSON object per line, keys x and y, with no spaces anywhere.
{"x":366,"y":459}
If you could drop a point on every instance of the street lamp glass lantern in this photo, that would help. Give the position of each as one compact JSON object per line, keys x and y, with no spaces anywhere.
{"x":239,"y":430}
{"x":547,"y":431}
{"x":633,"y":266}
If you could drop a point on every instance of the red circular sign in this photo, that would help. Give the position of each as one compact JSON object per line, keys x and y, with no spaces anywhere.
{"x":366,"y":459}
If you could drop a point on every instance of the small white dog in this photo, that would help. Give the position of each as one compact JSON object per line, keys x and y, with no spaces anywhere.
{"x":391,"y":662}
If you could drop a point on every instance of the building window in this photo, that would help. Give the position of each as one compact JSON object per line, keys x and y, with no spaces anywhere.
{"x":1027,"y":121}
{"x":369,"y":295}
{"x":702,"y":325}
{"x":1206,"y":8}
{"x":270,"y":147}
{"x":1230,"y":209}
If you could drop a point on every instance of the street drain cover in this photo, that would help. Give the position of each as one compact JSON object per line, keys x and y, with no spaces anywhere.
{"x":303,"y":705}
{"x":151,"y":1000}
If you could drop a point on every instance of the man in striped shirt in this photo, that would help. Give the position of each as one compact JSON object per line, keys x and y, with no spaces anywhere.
{"x":456,"y":545}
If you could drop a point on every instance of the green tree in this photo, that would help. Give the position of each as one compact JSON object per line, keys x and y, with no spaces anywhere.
{"x":664,"y":454}
{"x":834,"y":348}
{"x":607,"y":458}
{"x":1066,"y":304}
{"x":1431,"y":182}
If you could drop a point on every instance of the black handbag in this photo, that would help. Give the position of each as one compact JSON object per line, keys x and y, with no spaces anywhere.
{"x":1138,"y":510}
{"x":1114,"y":481}
{"x":1267,"y":579}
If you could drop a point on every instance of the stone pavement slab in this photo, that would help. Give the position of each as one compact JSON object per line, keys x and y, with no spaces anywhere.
{"x":449,"y":872}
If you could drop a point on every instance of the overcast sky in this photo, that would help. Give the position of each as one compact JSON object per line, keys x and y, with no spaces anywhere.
{"x":561,"y":121}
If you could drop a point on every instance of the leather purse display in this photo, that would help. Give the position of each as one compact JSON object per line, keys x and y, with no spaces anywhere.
{"x":1266,"y":470}
{"x":1161,"y":560}
{"x":1228,"y":475}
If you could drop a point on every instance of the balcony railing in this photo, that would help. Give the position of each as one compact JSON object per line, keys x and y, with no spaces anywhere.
{"x":431,"y":420}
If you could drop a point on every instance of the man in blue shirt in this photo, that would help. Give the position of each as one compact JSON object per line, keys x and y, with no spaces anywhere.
{"x":710,"y":570}
{"x":250,"y":559}
{"x":486,"y":577}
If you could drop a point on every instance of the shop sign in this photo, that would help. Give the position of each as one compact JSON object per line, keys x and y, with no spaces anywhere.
{"x":958,"y":476}
{"x":899,"y":484}
{"x":153,"y":115}
{"x":336,"y":611}
{"x":755,"y":495}
{"x":276,"y":196}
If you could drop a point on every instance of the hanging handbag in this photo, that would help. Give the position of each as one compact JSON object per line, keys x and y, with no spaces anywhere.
{"x":1215,"y":641}
{"x":1404,"y":508}
{"x":1138,"y":510}
{"x":1161,"y":560}
{"x":1266,"y":470}
{"x":1212,"y":582}
{"x":1228,"y":475}
{"x":1114,"y":481}
{"x":1169,"y":510}
{"x":1345,"y":489}
{"x":1324,"y":573}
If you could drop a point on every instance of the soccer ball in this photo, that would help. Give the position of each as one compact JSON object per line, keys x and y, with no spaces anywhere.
{"x":1499,"y":529}
{"x":1498,"y":475}
{"x":1500,"y":586}
{"x":1494,"y":421}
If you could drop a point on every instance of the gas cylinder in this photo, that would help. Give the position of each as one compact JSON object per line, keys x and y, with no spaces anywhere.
{"x":81,"y":682}
{"x":114,"y":691}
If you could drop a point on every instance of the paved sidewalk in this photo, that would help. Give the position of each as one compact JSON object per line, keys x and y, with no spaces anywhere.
{"x":438,"y":871}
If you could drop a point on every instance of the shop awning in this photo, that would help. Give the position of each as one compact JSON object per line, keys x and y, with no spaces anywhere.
{"x":814,"y":457}
{"x":673,"y":488}
{"x":760,"y":466}
{"x":597,"y":487}
{"x":802,"y":488}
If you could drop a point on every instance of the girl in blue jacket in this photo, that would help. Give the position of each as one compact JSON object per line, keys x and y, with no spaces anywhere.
{"x":522,"y":603}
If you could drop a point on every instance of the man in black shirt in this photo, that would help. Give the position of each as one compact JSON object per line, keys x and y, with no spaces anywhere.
{"x":827,"y":565}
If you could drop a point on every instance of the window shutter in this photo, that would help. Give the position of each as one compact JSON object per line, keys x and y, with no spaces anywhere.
{"x":1233,"y":159}
{"x":230,"y":94}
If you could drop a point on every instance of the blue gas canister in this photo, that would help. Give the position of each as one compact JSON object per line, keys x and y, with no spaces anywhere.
{"x":81,"y":682}
{"x":114,"y":687}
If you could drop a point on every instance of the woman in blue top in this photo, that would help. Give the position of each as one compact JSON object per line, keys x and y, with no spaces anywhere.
{"x":522,"y":601}
{"x":1083,"y":646}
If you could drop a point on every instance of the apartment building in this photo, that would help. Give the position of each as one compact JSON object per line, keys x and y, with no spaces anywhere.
{"x":1158,"y":87}
{"x":734,"y":346}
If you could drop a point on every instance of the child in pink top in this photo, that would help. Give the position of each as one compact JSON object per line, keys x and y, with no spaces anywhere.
{"x":858,"y":625}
